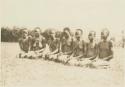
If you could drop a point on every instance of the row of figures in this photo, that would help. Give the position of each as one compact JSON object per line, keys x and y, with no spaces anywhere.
{"x":67,"y":48}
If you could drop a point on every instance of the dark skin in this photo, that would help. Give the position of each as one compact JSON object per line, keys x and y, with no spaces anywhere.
{"x":104,"y":36}
{"x":37,"y":34}
{"x":66,"y":35}
{"x":25,"y":37}
{"x":78,"y":36}
{"x":24,"y":34}
{"x":52,"y":35}
{"x":91,"y":38}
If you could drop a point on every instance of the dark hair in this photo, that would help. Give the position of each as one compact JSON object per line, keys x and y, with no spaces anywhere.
{"x":22,"y":30}
{"x":37,"y":28}
{"x":80,"y":30}
{"x":58,"y":34}
{"x":105,"y":30}
{"x":92,"y":32}
{"x":67,"y":29}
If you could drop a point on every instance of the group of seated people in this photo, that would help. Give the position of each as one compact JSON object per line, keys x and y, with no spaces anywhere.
{"x":67,"y":48}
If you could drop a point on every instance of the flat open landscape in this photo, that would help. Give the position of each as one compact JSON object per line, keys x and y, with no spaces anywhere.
{"x":40,"y":73}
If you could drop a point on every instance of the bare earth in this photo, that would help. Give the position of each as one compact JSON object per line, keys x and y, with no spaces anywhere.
{"x":40,"y":73}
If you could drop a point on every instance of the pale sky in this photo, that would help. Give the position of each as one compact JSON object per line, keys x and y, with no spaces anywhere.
{"x":87,"y":14}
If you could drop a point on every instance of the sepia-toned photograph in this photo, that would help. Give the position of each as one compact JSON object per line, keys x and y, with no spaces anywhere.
{"x":62,"y":43}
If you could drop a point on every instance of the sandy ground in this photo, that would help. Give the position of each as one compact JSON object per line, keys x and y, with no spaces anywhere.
{"x":40,"y":73}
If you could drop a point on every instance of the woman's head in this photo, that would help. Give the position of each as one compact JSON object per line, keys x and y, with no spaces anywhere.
{"x":78,"y":33}
{"x":92,"y":35}
{"x":52,"y":33}
{"x":24,"y":32}
{"x":37,"y":32}
{"x":104,"y":34}
{"x":66,"y":32}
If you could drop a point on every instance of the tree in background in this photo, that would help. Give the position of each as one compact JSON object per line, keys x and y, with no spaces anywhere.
{"x":10,"y":35}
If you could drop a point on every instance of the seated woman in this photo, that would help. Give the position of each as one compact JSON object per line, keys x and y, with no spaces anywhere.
{"x":105,"y":52}
{"x":53,"y":43}
{"x":79,"y":48}
{"x":24,"y":43}
{"x":38,"y":44}
{"x":66,"y":45}
{"x":91,"y":51}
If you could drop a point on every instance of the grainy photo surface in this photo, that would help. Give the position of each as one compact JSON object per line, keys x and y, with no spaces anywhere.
{"x":62,"y":43}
